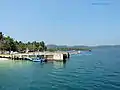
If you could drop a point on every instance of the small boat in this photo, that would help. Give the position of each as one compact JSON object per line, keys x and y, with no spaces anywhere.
{"x":28,"y":58}
{"x":36,"y":58}
{"x":90,"y":50}
{"x":39,"y":60}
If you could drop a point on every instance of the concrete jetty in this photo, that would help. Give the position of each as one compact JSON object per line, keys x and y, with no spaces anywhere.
{"x":47,"y":55}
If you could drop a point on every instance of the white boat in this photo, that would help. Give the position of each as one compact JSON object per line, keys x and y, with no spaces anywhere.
{"x":28,"y":58}
{"x":4,"y":59}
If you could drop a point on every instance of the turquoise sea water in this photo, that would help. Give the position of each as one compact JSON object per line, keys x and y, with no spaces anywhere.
{"x":98,"y":70}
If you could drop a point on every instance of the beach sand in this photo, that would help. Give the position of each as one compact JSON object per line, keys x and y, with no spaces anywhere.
{"x":4,"y":59}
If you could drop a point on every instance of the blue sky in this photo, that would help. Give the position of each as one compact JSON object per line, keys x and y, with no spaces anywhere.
{"x":70,"y":22}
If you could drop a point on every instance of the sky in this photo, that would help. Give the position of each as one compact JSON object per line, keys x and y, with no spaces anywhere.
{"x":62,"y":22}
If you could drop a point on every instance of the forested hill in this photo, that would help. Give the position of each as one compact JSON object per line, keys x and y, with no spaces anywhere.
{"x":7,"y":43}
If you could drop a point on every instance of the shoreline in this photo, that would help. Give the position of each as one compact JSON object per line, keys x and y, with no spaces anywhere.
{"x":4,"y":59}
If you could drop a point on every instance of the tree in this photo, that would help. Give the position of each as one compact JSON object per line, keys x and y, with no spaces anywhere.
{"x":37,"y":46}
{"x":10,"y":44}
{"x":1,"y":42}
{"x":21,"y":47}
{"x":1,"y":36}
{"x":43,"y":47}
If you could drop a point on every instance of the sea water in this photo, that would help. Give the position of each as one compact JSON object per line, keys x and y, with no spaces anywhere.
{"x":97,"y":70}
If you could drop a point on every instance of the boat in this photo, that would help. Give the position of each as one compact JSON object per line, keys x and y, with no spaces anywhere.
{"x":90,"y":50}
{"x":28,"y":58}
{"x":38,"y":60}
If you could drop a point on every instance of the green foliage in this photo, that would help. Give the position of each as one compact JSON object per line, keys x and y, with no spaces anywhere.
{"x":52,"y":50}
{"x":1,"y":41}
{"x":1,"y":36}
{"x":9,"y":44}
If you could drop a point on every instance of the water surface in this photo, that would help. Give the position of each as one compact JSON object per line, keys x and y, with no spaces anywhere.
{"x":99,"y":70}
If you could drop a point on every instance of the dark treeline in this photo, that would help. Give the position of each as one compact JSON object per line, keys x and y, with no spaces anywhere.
{"x":68,"y":49}
{"x":9,"y":44}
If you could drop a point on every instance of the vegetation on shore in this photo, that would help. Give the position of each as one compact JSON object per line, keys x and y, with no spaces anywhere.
{"x":9,"y":44}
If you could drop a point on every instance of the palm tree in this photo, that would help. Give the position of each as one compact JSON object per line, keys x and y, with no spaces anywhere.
{"x":1,"y":41}
{"x":42,"y":44}
{"x":1,"y":37}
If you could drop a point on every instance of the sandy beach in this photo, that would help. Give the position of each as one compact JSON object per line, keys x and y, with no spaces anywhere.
{"x":4,"y":59}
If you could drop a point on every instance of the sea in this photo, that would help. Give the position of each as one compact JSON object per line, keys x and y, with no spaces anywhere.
{"x":95,"y":70}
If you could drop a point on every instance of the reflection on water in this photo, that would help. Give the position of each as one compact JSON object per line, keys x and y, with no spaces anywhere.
{"x":59,"y":64}
{"x":22,"y":63}
{"x":14,"y":63}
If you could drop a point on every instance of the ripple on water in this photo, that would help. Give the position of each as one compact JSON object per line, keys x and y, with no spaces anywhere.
{"x":99,"y":71}
{"x":64,"y":79}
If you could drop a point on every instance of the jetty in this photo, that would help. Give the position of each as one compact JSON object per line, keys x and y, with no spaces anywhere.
{"x":60,"y":56}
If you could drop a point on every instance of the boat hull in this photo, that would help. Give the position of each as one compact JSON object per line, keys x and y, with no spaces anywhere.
{"x":39,"y":60}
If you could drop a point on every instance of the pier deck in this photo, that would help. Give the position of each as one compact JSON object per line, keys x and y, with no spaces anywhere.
{"x":46,"y":55}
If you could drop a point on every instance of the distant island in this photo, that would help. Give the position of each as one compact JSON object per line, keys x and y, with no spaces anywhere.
{"x":53,"y":47}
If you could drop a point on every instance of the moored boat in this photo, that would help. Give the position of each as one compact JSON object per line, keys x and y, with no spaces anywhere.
{"x":36,"y":58}
{"x":39,"y":60}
